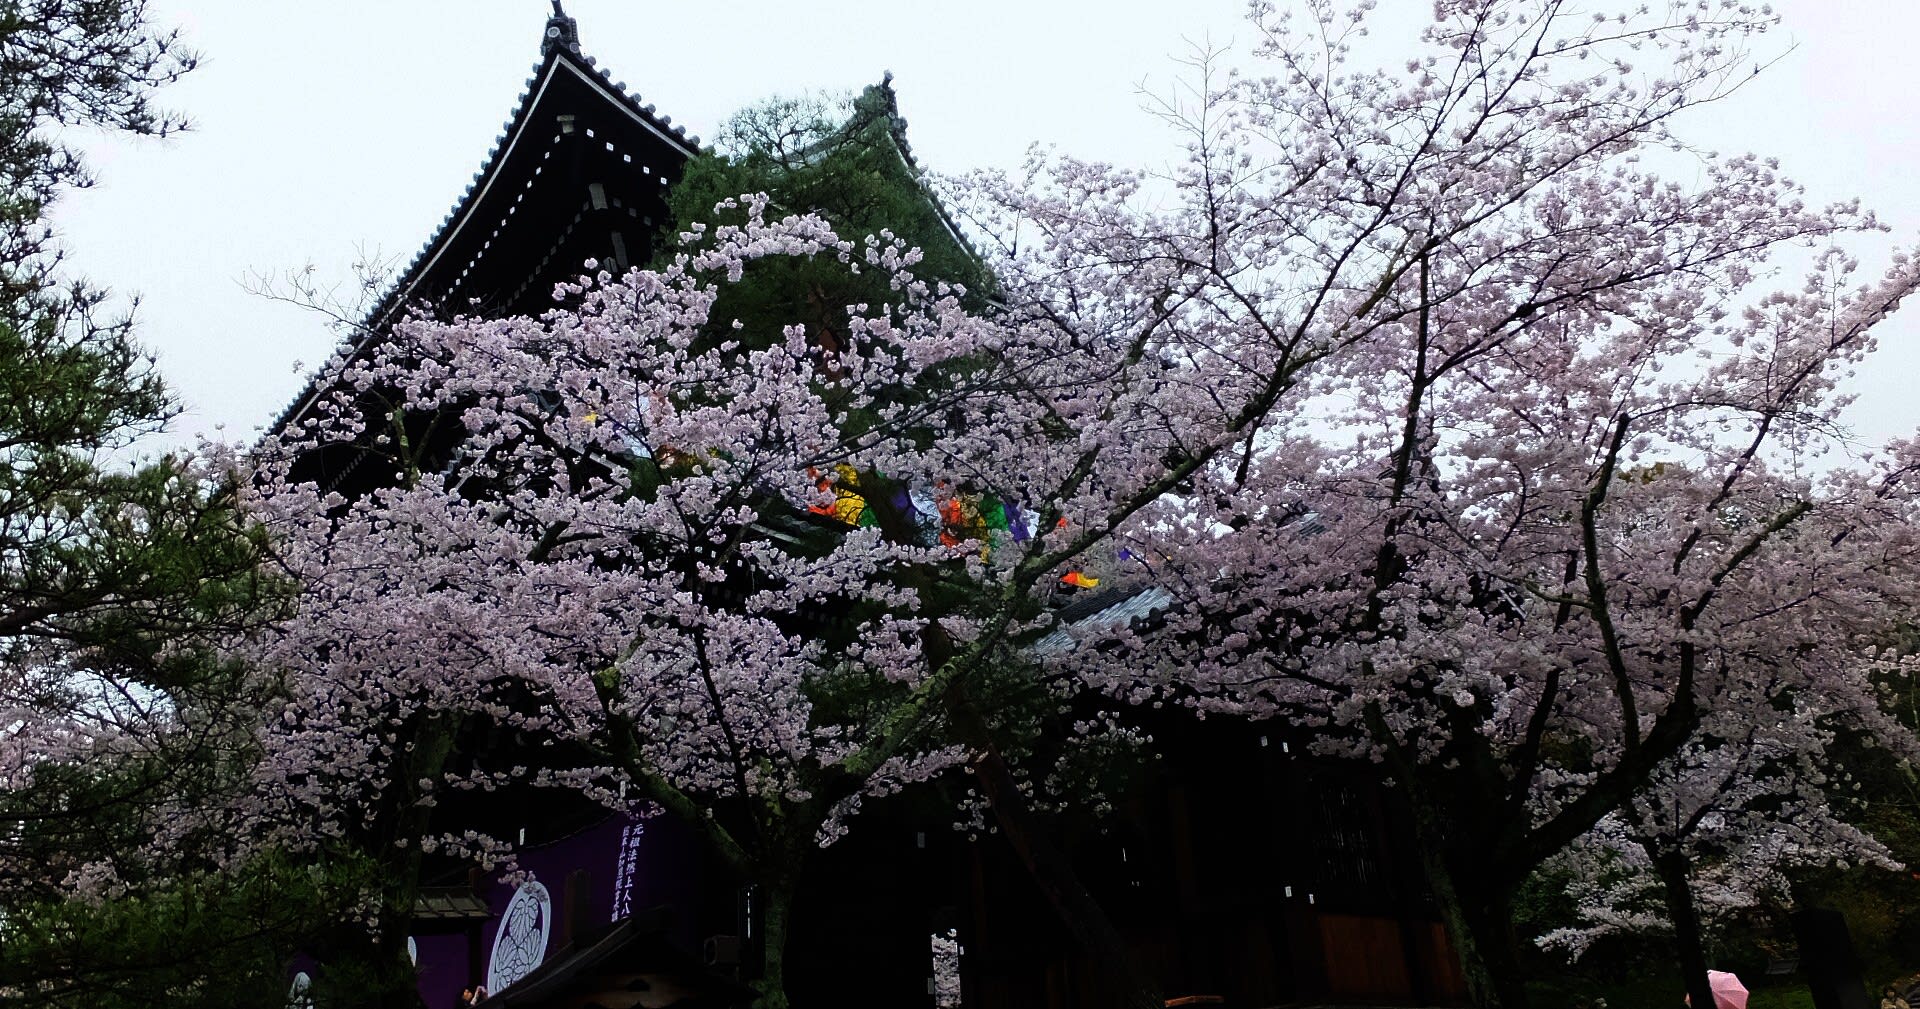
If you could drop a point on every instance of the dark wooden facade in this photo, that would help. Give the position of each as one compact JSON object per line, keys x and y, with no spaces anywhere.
{"x":1237,"y":868}
{"x":1242,"y":870}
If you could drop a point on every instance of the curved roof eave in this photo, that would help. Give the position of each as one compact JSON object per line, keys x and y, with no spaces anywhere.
{"x":556,"y":60}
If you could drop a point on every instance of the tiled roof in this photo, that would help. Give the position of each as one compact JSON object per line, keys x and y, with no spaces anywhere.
{"x":879,"y":101}
{"x":1101,"y":611}
{"x":449,"y":904}
{"x":560,"y":53}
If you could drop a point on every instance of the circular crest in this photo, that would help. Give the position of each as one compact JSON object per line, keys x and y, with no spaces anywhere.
{"x":521,"y":942}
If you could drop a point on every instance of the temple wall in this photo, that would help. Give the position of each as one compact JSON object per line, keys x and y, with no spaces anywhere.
{"x":602,"y":874}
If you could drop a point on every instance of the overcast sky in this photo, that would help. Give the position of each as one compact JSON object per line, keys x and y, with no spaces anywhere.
{"x":321,"y":128}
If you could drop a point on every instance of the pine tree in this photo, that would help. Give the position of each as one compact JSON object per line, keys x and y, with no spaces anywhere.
{"x":120,"y":575}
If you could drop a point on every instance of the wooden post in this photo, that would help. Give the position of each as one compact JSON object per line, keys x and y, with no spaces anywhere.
{"x":573,"y":914}
{"x":476,"y":957}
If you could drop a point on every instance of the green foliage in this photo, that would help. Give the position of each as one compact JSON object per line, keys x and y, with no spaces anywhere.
{"x":67,"y":63}
{"x":1659,"y":988}
{"x":219,"y":938}
{"x":844,"y":159}
{"x":105,"y":565}
{"x":119,"y":580}
{"x":1880,"y":792}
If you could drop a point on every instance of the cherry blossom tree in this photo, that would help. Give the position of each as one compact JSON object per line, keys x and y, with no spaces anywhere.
{"x":614,"y":530}
{"x":1514,"y":727}
{"x":1720,"y":829}
{"x":1445,"y":423}
{"x":1565,"y":497}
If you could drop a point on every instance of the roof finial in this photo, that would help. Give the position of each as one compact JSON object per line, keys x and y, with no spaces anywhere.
{"x":880,"y":99}
{"x":563,"y":32}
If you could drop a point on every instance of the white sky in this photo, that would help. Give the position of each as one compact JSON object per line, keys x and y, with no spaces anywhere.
{"x":325,"y":127}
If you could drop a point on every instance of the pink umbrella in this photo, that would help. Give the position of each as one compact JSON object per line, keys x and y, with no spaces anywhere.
{"x":1728,"y":992}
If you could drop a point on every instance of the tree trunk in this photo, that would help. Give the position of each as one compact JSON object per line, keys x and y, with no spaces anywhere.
{"x":1046,"y":865}
{"x":1051,"y":871}
{"x":391,"y":979}
{"x":399,"y":981}
{"x":1670,"y":864}
{"x":1479,"y":917}
{"x":776,"y":896}
{"x":1473,"y":880}
{"x":1828,"y":959}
